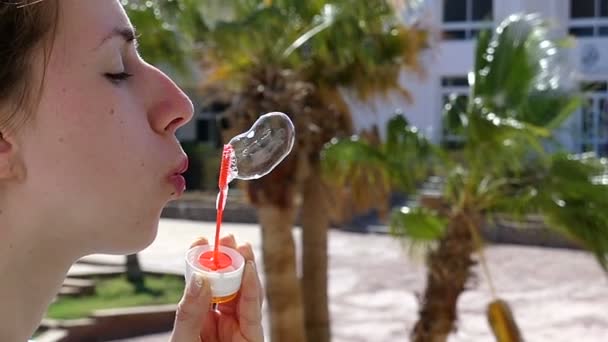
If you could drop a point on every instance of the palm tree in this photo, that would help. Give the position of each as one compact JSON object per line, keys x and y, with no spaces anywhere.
{"x":508,"y":165}
{"x":291,"y":56}
{"x":134,"y":273}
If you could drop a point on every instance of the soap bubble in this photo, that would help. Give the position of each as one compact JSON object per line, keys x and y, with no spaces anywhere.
{"x":259,"y":150}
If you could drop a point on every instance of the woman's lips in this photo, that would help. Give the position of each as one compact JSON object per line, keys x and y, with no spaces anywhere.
{"x":183,"y":166}
{"x":178,"y":181}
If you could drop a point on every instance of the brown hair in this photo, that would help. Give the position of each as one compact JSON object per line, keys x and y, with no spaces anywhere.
{"x":25,"y":26}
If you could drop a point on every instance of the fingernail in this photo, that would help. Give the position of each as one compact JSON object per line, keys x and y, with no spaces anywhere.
{"x":196,"y":284}
{"x":251,"y":264}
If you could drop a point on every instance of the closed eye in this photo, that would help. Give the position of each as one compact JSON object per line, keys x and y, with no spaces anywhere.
{"x":118,"y":77}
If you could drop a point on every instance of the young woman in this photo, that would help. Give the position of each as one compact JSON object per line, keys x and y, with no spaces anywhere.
{"x":88,"y":159}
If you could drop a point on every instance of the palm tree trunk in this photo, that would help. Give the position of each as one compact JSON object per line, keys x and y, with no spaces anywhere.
{"x":448,"y":270}
{"x":315,"y":223}
{"x":282,"y":285}
{"x":135,"y":276}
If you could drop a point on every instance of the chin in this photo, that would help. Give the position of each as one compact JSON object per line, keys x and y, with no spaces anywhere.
{"x":138,"y":239}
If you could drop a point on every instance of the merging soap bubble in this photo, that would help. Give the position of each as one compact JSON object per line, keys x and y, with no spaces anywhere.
{"x":259,"y":150}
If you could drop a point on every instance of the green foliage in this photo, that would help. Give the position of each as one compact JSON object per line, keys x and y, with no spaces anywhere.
{"x":344,"y":156}
{"x":410,"y":155}
{"x":405,"y":159}
{"x":118,"y":293}
{"x":356,"y":164}
{"x":573,"y":195}
{"x":418,"y":224}
{"x":343,"y":42}
{"x":165,"y":38}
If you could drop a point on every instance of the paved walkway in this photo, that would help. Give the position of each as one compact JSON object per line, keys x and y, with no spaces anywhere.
{"x":556,"y":294}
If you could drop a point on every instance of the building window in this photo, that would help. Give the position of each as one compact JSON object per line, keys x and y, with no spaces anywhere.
{"x":454,"y":96}
{"x":203,"y":130}
{"x":207,"y":129}
{"x":588,"y":18}
{"x":594,"y":119}
{"x":463,"y":19}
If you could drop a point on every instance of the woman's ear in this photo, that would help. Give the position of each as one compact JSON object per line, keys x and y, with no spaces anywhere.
{"x":9,"y":163}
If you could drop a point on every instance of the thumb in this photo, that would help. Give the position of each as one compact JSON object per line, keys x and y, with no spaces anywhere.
{"x":192,"y":309}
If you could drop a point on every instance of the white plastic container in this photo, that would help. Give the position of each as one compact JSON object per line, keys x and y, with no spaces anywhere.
{"x":225,"y":283}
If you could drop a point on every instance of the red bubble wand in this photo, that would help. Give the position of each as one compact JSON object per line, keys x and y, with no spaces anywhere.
{"x":215,"y":260}
{"x":227,"y":158}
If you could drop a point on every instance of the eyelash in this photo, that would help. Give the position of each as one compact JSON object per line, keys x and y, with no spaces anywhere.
{"x":118,"y":77}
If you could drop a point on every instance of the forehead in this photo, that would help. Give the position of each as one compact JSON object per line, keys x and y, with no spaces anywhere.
{"x":88,"y":22}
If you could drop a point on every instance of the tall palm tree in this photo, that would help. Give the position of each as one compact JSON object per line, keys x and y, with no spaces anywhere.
{"x":292,"y":56}
{"x":509,"y":165}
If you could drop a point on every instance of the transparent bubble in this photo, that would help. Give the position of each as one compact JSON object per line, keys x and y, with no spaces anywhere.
{"x":258,"y":151}
{"x":554,"y":71}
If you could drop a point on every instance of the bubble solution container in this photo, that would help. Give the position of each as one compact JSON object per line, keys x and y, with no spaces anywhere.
{"x":226,"y":281}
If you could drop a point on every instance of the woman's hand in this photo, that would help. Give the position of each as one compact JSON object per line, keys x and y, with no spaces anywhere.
{"x":238,"y":320}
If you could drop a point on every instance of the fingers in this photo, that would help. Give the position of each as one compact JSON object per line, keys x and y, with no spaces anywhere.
{"x":201,"y":241}
{"x":247,"y":252}
{"x":228,"y":241}
{"x":249,"y":313}
{"x":230,"y":308}
{"x":192,"y":310}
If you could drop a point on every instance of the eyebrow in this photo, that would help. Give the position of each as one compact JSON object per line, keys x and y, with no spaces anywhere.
{"x":127,"y":33}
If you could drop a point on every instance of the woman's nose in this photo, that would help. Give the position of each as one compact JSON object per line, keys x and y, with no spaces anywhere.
{"x":171,"y":108}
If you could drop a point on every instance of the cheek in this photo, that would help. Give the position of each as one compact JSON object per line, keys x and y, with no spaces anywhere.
{"x":89,"y":136}
{"x":90,"y":124}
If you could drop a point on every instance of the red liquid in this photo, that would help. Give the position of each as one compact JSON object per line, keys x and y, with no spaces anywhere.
{"x":217,"y":258}
{"x":209,"y":261}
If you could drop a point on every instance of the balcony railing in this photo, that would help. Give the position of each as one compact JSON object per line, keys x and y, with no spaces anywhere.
{"x":588,"y":27}
{"x":463,"y":30}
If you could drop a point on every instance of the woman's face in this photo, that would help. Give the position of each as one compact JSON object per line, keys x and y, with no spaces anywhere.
{"x":99,"y":154}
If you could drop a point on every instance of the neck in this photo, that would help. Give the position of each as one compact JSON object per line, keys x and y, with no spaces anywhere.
{"x":32,"y":270}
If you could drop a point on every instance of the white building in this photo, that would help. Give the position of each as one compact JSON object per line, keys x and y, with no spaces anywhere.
{"x":447,"y":65}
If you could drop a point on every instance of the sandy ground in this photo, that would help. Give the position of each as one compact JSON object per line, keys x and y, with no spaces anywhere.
{"x":556,"y":294}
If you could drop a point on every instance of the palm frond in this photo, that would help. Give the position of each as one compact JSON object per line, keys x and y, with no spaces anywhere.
{"x":570,"y":192}
{"x":574,"y":202}
{"x":400,"y":163}
{"x":357,"y":165}
{"x":522,"y":73}
{"x":409,"y":155}
{"x":417,"y":224}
